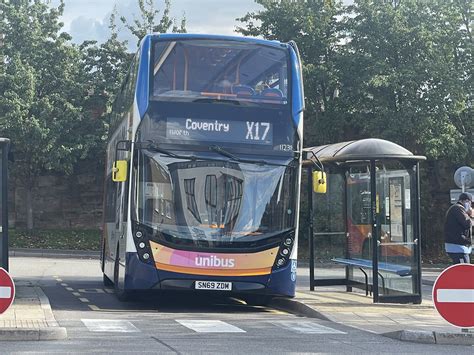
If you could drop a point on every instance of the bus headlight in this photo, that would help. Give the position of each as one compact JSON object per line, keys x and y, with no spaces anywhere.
{"x":285,"y":250}
{"x":141,"y":237}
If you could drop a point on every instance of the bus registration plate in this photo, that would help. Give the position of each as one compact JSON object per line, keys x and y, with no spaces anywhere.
{"x":213,"y":285}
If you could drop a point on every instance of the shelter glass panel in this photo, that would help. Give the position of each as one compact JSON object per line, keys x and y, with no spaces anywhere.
{"x":359,"y":217}
{"x":397,"y":256}
{"x":329,"y":227}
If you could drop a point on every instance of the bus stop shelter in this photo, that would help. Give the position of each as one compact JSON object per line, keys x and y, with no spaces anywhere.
{"x":4,"y":146}
{"x":364,"y":231}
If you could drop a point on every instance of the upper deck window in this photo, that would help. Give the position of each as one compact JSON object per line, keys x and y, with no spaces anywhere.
{"x":191,"y":70}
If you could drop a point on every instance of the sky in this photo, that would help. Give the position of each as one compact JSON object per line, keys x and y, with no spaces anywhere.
{"x":89,"y":19}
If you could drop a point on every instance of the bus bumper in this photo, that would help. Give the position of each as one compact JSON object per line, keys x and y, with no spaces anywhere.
{"x":280,"y":282}
{"x":142,"y":276}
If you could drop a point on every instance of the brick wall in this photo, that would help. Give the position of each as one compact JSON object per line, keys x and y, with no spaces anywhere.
{"x":61,"y":202}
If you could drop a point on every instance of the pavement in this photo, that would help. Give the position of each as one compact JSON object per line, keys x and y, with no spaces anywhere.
{"x":30,"y":317}
{"x":418,"y":323}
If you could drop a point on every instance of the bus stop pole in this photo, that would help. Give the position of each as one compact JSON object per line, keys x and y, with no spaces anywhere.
{"x":4,"y":144}
{"x":375,"y":229}
{"x":418,"y":233}
{"x":310,"y":228}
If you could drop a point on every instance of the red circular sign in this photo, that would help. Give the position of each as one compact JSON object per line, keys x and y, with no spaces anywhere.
{"x":7,"y":290}
{"x":453,"y":295}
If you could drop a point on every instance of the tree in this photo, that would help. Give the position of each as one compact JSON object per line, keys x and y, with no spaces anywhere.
{"x":41,"y":94}
{"x":104,"y":67}
{"x":150,"y":21}
{"x":409,"y":88}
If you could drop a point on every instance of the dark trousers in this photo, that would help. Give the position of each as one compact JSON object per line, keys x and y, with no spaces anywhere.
{"x":459,"y":258}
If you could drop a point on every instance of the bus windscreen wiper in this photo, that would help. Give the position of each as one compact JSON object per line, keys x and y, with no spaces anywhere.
{"x":222,"y":151}
{"x":150,"y":145}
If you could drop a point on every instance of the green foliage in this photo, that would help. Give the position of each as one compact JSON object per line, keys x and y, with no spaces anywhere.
{"x":150,"y":22}
{"x":410,"y":63}
{"x":42,"y":93}
{"x":55,"y":239}
{"x":42,"y":98}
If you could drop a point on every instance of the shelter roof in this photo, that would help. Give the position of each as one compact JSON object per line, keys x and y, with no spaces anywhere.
{"x":363,"y":149}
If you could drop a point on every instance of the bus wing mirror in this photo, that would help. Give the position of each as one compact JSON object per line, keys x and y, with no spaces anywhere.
{"x":119,"y":171}
{"x":123,"y":145}
{"x":319,"y":182}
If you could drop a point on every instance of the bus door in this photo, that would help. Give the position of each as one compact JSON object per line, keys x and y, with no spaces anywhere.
{"x":119,"y":229}
{"x":121,"y":211}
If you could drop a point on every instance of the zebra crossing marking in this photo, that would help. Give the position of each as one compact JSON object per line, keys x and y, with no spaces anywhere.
{"x":306,"y":327}
{"x":110,"y":325}
{"x":209,"y":326}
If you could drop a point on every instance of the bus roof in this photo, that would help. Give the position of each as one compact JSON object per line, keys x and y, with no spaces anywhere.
{"x":178,"y":36}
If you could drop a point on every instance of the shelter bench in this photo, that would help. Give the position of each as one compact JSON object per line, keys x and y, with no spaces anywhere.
{"x":362,"y":264}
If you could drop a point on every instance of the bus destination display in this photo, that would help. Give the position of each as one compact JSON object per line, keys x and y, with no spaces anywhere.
{"x":253,"y":132}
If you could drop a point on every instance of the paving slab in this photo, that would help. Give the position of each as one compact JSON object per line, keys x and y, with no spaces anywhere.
{"x":30,"y":316}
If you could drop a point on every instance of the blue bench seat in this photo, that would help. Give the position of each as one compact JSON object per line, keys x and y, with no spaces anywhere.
{"x":362,"y":264}
{"x":400,"y":270}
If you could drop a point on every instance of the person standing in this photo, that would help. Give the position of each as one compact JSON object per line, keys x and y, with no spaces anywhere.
{"x":457,"y":229}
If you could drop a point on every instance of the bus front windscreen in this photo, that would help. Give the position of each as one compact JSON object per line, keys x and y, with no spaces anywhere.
{"x":224,"y":70}
{"x":213,"y":203}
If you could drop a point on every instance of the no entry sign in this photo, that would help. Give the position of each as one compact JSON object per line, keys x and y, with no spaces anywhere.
{"x":453,"y":295}
{"x":7,"y":290}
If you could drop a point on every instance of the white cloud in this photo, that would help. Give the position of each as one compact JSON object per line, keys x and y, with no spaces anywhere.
{"x":89,"y":20}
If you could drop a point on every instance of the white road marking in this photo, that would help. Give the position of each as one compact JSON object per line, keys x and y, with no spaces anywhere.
{"x":69,"y":289}
{"x":307,"y":327}
{"x":82,"y":299}
{"x":64,"y":284}
{"x":455,"y":296}
{"x":209,"y":326}
{"x":5,"y":292}
{"x":93,"y":307}
{"x":91,"y":290}
{"x":110,"y":325}
{"x":77,"y":294}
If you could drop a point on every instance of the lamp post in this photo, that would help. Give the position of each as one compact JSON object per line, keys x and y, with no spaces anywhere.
{"x":4,"y":146}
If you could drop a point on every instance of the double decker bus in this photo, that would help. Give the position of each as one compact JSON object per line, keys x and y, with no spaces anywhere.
{"x":203,"y":168}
